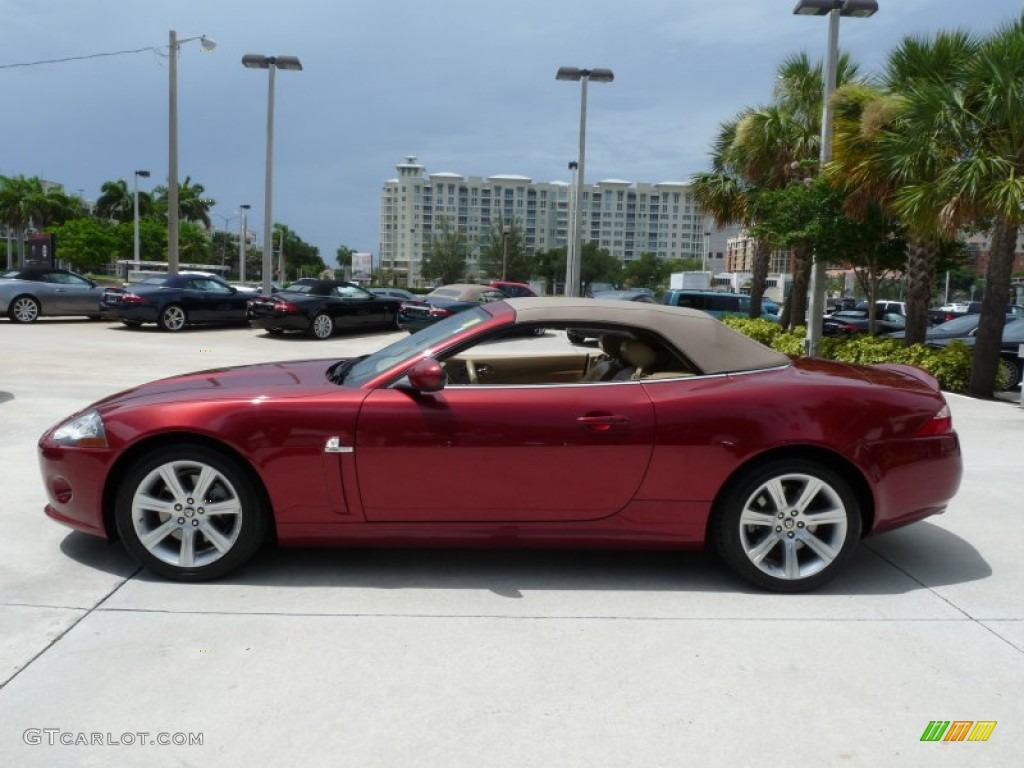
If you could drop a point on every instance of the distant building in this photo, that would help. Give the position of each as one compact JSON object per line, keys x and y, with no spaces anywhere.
{"x":626,"y":218}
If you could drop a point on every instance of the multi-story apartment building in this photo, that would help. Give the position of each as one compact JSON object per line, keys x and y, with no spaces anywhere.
{"x":626,"y":218}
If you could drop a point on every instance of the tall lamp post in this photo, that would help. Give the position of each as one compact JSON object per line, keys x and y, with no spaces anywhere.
{"x":244,"y":208}
{"x":173,"y":46}
{"x":570,"y":244}
{"x":833,"y":9}
{"x":135,"y":218}
{"x":227,"y":220}
{"x":572,"y":261}
{"x":506,"y":232}
{"x":271,"y":64}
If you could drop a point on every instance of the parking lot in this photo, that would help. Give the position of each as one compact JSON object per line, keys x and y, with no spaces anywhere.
{"x":488,"y":658}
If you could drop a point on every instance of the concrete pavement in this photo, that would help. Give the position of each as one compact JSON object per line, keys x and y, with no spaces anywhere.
{"x":476,"y":658}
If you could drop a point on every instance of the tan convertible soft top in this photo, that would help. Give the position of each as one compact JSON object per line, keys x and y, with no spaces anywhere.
{"x":712,"y":346}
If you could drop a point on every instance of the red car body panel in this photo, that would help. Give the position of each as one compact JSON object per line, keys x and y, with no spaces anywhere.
{"x":632,"y":463}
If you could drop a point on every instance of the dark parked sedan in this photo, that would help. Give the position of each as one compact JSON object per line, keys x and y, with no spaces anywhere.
{"x":395,"y":293}
{"x":442,"y":302}
{"x":703,"y":437}
{"x":319,"y":307}
{"x":174,"y":301}
{"x":34,"y":292}
{"x":628,"y":294}
{"x":854,"y":321}
{"x":1009,"y":360}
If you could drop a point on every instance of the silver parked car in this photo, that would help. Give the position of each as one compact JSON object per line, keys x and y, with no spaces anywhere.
{"x":29,"y":293}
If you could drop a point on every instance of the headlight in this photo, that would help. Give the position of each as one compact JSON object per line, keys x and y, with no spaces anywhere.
{"x":83,"y":431}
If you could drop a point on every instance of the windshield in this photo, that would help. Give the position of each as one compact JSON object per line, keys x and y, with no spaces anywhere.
{"x":416,"y":345}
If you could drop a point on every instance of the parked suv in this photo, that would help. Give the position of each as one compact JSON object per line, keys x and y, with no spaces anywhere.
{"x":715,"y":303}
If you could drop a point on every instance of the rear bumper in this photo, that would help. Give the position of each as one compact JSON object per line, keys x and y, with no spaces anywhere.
{"x":284,"y":322}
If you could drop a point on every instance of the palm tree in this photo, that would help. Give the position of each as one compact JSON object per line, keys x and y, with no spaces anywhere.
{"x":193,"y":205}
{"x":116,"y":201}
{"x":976,"y":123}
{"x":885,"y":144}
{"x":757,"y":151}
{"x":21,"y":201}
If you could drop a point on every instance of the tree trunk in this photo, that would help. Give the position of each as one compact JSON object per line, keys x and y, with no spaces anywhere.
{"x":921,"y":257}
{"x":759,"y":276}
{"x":985,"y":361}
{"x":801,"y":283}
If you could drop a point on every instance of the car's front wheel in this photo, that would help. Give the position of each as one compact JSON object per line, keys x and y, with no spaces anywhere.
{"x":788,"y":526}
{"x":24,"y":309}
{"x":190,"y":513}
{"x":172,"y":318}
{"x":321,"y":327}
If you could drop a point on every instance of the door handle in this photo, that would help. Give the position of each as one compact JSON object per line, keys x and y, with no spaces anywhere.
{"x":602,"y":423}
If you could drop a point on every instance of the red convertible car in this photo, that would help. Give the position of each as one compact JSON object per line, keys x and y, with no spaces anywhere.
{"x":676,"y":432}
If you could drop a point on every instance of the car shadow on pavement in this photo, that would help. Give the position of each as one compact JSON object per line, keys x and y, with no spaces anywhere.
{"x":921,"y":556}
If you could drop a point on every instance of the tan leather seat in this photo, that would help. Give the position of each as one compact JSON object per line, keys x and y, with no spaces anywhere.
{"x":640,"y":356}
{"x":611,"y":364}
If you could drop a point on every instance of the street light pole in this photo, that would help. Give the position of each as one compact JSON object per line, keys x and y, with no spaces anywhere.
{"x":241,"y":243}
{"x":572,"y":265}
{"x":135,"y":196}
{"x":570,"y":244}
{"x":506,"y":231}
{"x":173,"y":46}
{"x":833,"y":9}
{"x":271,"y":64}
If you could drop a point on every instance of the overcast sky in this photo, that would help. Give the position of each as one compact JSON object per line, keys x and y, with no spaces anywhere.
{"x":464,"y":85}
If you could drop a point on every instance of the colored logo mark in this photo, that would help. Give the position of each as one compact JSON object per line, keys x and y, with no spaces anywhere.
{"x":958,"y":730}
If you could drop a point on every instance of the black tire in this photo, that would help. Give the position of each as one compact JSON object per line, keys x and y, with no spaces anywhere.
{"x":172,"y":318}
{"x":1011,"y":370}
{"x":147,"y":506}
{"x":321,"y":326}
{"x":784,"y":549}
{"x":24,"y":309}
{"x":275,"y":331}
{"x":132,"y":323}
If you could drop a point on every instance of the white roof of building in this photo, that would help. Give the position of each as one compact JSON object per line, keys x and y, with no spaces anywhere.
{"x":614,"y":181}
{"x":446,"y":175}
{"x":509,"y":177}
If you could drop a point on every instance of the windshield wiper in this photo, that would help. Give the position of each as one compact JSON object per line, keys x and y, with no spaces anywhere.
{"x":337,"y":372}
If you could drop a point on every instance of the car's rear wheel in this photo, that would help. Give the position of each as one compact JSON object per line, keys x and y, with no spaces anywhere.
{"x":788,"y":526}
{"x":172,"y":318}
{"x":1011,"y":371}
{"x":190,"y":513}
{"x":132,"y":323}
{"x":24,"y":309}
{"x":322,"y":326}
{"x":275,"y":331}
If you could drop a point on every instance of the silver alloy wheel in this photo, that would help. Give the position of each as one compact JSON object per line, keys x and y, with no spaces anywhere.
{"x":323,"y":326}
{"x":186,"y":514}
{"x":172,"y":318}
{"x":25,"y":309}
{"x":793,"y":526}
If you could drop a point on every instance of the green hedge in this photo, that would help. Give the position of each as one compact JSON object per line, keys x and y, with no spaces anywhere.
{"x":951,"y":365}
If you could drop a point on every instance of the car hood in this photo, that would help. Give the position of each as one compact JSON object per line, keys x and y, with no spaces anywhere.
{"x":264,"y":381}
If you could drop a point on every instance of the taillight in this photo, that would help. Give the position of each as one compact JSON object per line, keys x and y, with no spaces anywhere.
{"x":284,"y":306}
{"x":939,"y":424}
{"x":132,"y":298}
{"x":439,"y":312}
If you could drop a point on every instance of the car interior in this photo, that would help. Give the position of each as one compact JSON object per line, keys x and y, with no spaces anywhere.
{"x":620,"y":355}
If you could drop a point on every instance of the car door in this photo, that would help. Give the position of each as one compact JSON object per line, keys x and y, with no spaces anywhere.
{"x":75,"y":295}
{"x":503,"y":453}
{"x":358,"y":308}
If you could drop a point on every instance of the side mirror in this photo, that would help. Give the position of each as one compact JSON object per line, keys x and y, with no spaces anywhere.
{"x":426,"y":376}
